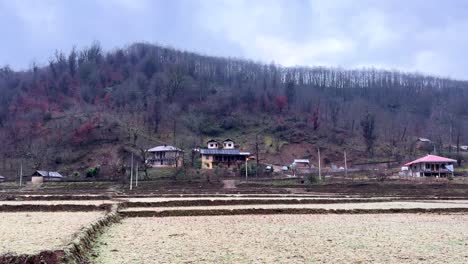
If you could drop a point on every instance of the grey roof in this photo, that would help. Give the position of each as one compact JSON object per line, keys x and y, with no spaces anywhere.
{"x":223,"y":152}
{"x":164,"y":148}
{"x":52,"y":174}
{"x":301,"y":161}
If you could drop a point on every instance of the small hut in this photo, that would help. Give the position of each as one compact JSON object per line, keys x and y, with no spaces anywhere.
{"x":45,"y":176}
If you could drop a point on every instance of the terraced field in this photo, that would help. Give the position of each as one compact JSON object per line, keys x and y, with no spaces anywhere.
{"x":232,"y":229}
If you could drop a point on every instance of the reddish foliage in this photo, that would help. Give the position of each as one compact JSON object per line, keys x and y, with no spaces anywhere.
{"x":281,"y":102}
{"x":84,"y":131}
{"x":109,"y":77}
{"x":27,"y":103}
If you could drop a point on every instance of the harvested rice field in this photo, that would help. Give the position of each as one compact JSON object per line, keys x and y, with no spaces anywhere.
{"x":376,"y":238}
{"x":345,"y":206}
{"x":31,"y":232}
{"x":236,"y":198}
{"x":59,"y":202}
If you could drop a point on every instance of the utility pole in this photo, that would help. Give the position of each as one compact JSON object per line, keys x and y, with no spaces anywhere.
{"x":131,"y":173}
{"x":345,"y":165}
{"x":319,"y":164}
{"x":21,"y":173}
{"x":246,"y":168}
{"x":136,"y":179}
{"x":256,"y":153}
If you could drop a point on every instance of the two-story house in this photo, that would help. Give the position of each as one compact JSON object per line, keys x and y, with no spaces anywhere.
{"x":225,"y":155}
{"x":165,"y":156}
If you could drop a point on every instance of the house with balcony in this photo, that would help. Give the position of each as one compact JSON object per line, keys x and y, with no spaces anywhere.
{"x":222,"y":155}
{"x":165,"y":156}
{"x":430,"y":165}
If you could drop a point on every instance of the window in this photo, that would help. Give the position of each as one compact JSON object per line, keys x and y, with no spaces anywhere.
{"x":211,"y":145}
{"x":229,"y":145}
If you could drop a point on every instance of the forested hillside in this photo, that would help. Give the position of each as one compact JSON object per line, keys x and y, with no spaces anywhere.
{"x":90,"y":108}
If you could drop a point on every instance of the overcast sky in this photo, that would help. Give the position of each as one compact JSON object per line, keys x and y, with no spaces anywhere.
{"x":415,"y":35}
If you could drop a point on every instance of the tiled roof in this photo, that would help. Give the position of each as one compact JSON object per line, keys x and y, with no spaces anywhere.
{"x":430,"y":158}
{"x":223,"y":152}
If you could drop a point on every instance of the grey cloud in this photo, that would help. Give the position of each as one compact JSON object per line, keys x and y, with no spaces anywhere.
{"x":426,"y":36}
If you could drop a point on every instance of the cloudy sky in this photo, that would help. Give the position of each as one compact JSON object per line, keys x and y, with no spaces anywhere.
{"x":414,"y":35}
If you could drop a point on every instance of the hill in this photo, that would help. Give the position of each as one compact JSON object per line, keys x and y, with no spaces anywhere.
{"x":91,"y":108}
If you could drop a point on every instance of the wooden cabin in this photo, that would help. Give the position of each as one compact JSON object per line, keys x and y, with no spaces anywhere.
{"x":430,"y":165}
{"x":165,"y":156}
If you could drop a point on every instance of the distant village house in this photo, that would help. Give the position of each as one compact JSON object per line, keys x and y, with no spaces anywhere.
{"x":228,"y":156}
{"x":302,"y":163}
{"x":424,"y":140}
{"x":430,"y":165}
{"x":165,"y":156}
{"x":40,"y":176}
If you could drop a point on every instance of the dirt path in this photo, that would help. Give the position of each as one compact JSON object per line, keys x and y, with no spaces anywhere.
{"x":229,"y":184}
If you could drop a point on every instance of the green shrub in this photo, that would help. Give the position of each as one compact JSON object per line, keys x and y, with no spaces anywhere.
{"x":47,"y":117}
{"x":93,"y":172}
{"x":251,"y":170}
{"x":197,"y":164}
{"x":311,"y":178}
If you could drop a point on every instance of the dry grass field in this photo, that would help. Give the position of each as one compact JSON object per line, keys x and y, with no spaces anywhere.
{"x":31,"y":232}
{"x":376,"y":238}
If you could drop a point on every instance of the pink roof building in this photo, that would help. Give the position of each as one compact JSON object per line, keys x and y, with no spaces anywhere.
{"x":431,"y":165}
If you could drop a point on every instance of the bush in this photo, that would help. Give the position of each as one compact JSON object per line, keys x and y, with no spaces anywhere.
{"x":312,"y":179}
{"x":47,"y":117}
{"x":450,"y":177}
{"x":251,"y":170}
{"x":197,"y":164}
{"x":93,"y":172}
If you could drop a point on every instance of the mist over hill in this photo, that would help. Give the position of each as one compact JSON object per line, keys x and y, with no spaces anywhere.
{"x":91,"y":108}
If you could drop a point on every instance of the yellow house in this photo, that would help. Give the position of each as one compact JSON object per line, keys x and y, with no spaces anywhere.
{"x":228,"y":156}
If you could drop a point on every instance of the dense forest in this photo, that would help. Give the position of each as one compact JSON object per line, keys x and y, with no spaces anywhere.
{"x":91,"y":107}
